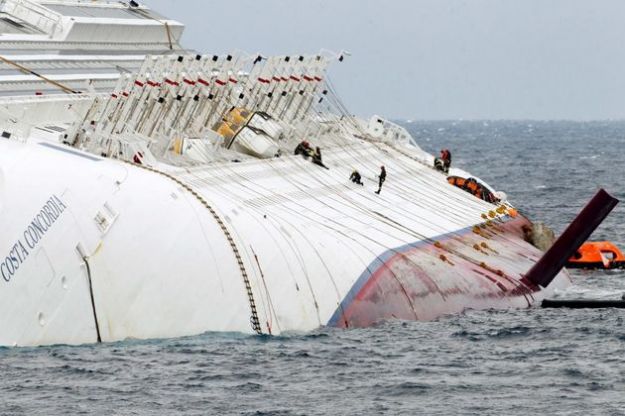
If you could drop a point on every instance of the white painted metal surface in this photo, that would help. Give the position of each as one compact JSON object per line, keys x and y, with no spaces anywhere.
{"x":124,"y":214}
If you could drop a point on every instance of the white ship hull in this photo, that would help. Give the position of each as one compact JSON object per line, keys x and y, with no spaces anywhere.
{"x":160,"y":265}
{"x":164,"y":199}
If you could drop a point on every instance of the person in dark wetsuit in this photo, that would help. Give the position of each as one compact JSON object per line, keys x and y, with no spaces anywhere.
{"x":316,"y":158}
{"x":356,"y":178}
{"x":303,"y":149}
{"x":382,"y":179}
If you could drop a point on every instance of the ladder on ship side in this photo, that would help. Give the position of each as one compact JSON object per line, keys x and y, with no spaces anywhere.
{"x":254,"y":320}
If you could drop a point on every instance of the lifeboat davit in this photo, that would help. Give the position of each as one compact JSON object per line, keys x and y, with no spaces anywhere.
{"x":597,"y":255}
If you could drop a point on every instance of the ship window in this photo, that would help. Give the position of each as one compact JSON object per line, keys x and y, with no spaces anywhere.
{"x":609,"y":255}
{"x":12,"y":22}
{"x":56,"y":128}
{"x":9,"y":25}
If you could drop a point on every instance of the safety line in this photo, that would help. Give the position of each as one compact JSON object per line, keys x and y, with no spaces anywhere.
{"x":31,"y":72}
{"x":85,"y":259}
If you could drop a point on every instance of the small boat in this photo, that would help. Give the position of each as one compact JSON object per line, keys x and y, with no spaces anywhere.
{"x":597,"y":255}
{"x":474,"y":187}
{"x":584,"y":303}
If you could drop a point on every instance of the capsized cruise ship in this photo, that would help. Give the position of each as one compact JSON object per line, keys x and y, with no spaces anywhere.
{"x":149,"y":191}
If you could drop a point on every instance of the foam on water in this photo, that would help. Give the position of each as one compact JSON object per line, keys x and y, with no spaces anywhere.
{"x":489,"y":363}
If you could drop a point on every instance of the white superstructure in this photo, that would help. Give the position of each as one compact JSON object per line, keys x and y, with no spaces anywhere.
{"x":147,"y":191}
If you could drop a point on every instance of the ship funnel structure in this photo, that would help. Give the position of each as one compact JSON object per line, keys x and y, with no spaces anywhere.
{"x":546,"y":269}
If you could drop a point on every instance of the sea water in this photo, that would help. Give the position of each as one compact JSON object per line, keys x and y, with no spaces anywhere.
{"x":520,"y":362}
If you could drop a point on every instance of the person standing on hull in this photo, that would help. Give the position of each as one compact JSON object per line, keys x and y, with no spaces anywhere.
{"x":446,"y":157}
{"x":443,"y":163}
{"x":382,"y":179}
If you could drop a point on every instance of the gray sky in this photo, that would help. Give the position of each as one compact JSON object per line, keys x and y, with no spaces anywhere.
{"x":437,"y":59}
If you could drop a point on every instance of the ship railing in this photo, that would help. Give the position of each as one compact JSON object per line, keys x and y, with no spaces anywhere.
{"x":399,"y":138}
{"x":41,"y":17}
{"x":386,"y":130}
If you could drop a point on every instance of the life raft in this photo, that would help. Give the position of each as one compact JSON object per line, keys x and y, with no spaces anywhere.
{"x":597,"y":255}
{"x":472,"y":186}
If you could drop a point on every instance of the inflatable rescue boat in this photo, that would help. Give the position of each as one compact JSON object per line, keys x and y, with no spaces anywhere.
{"x":597,"y":255}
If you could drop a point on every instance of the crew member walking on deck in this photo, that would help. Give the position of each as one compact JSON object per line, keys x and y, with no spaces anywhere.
{"x":382,"y":179}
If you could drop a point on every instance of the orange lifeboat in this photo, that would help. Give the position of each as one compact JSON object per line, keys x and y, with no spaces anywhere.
{"x":597,"y":255}
{"x":472,"y":186}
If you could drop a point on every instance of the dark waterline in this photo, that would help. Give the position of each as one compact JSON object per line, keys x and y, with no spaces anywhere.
{"x":488,"y":363}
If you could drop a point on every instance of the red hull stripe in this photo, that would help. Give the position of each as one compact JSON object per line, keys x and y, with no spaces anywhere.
{"x":263,"y":80}
{"x":377,"y":268}
{"x":294,"y":78}
{"x":220,"y":82}
{"x":307,"y":78}
{"x":188,"y":81}
{"x":139,"y":83}
{"x":170,"y":82}
{"x":203,"y":81}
